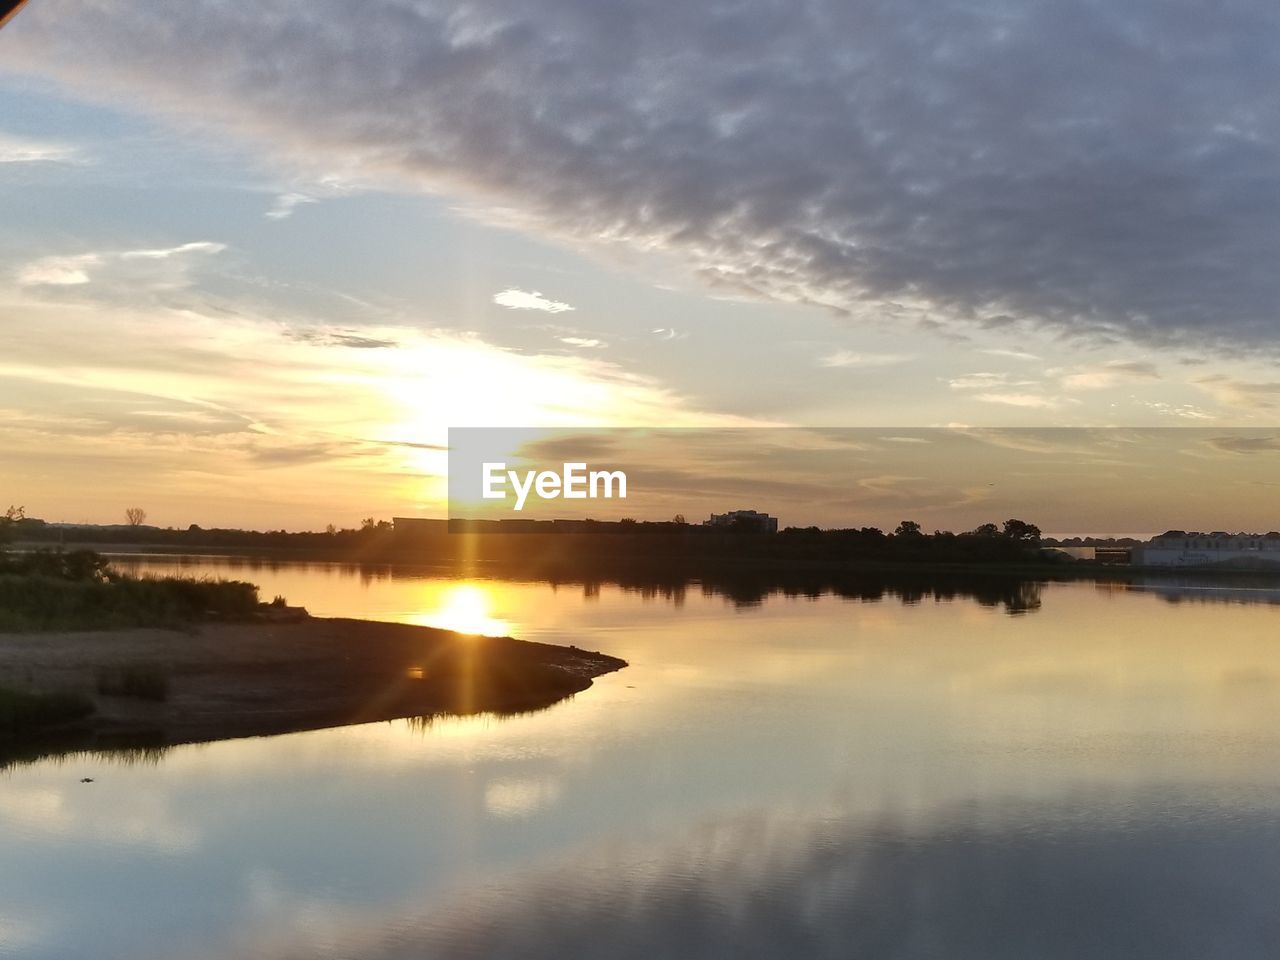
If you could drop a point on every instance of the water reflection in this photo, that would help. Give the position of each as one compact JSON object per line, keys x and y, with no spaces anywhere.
{"x":1099,"y":879}
{"x":1233,"y":591}
{"x":883,"y":770}
{"x":468,"y":607}
{"x":465,"y":608}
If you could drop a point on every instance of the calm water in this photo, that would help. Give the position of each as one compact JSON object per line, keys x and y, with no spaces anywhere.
{"x":1097,"y":777}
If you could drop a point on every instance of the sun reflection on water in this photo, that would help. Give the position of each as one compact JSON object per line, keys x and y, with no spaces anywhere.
{"x":464,"y":608}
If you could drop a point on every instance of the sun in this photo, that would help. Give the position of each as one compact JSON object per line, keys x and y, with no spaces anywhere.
{"x":465,"y":608}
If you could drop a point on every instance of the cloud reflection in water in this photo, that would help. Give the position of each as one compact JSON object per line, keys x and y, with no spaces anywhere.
{"x":977,"y":885}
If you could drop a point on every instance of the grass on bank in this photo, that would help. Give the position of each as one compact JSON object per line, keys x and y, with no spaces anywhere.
{"x":78,"y":591}
{"x":43,"y":603}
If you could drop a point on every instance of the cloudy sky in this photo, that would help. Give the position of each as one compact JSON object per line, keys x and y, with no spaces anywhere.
{"x":255,"y":259}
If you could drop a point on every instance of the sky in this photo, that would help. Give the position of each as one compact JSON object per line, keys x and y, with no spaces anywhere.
{"x":255,"y":260}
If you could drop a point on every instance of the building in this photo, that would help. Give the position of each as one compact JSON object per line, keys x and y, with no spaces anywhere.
{"x":1111,"y":554}
{"x":1178,"y":548}
{"x":744,"y":519}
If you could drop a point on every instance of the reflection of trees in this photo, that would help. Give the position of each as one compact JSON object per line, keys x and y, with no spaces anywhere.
{"x":1015,"y":595}
{"x":669,"y":583}
{"x":126,"y":749}
{"x":147,"y":748}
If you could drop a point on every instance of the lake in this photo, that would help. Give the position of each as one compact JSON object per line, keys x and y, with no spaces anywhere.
{"x":1084,"y":771}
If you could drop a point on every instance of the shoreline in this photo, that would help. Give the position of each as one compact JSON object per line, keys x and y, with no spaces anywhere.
{"x":221,"y":681}
{"x":692,"y":568}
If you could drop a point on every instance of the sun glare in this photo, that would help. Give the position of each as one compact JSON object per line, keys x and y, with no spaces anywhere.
{"x":465,"y":608}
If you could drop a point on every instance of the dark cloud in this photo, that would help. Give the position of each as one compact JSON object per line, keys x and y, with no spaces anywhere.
{"x":361,"y":343}
{"x":277,"y":452}
{"x":1247,"y":444}
{"x":330,"y":338}
{"x":1138,"y":369}
{"x":1103,"y":169}
{"x":409,"y":444}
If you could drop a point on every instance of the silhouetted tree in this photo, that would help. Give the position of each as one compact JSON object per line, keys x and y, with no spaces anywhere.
{"x":1021,"y":532}
{"x":9,"y":520}
{"x":908,"y":528}
{"x":136,"y":516}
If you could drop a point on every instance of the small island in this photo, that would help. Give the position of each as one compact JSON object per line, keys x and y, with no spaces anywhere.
{"x":176,"y":661}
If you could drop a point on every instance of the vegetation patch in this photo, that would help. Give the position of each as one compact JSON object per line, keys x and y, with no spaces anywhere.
{"x":141,"y":682}
{"x":22,"y":713}
{"x":77,"y":590}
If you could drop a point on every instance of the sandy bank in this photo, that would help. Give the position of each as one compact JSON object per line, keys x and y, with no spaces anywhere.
{"x":236,"y":680}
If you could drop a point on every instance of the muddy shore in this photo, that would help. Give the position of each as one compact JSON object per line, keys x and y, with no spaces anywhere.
{"x":220,"y":681}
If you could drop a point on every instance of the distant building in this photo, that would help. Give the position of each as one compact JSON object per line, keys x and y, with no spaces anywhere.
{"x":418,"y":525}
{"x":1178,"y":548}
{"x":749,"y":519}
{"x":1111,"y":554}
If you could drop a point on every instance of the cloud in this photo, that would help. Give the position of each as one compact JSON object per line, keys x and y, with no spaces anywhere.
{"x":21,"y":150}
{"x":1242,"y":394}
{"x":986,"y":381}
{"x":1184,"y":411}
{"x":411,"y":445}
{"x":164,"y":253}
{"x":587,"y":342}
{"x":523,"y":300}
{"x":286,"y":203}
{"x":343,"y":338}
{"x":1110,"y":374}
{"x":164,"y":267}
{"x":190,"y":408}
{"x":951,"y":164}
{"x":356,"y":342}
{"x":1245,"y":444}
{"x":848,"y":358}
{"x":58,"y":271}
{"x":1032,"y":401}
{"x":1015,"y":354}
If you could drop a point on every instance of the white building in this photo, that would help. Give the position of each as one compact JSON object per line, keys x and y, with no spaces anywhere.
{"x":1178,"y":548}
